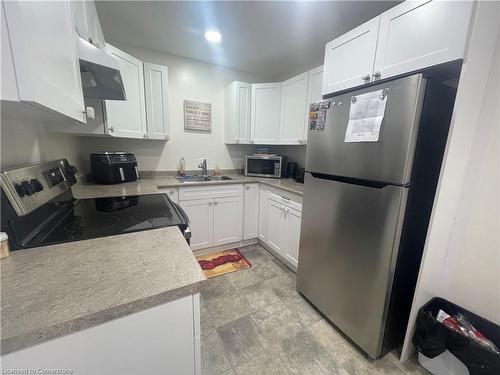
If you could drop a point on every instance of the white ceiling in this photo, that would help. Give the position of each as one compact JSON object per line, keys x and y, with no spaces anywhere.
{"x":272,"y":39}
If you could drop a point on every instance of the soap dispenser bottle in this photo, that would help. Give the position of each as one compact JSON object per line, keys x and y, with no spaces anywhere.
{"x":182,"y":167}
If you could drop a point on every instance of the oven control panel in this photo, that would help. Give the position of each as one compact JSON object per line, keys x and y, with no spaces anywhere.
{"x":31,"y":186}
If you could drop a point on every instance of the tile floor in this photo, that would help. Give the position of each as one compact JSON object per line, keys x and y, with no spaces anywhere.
{"x":254,"y":322}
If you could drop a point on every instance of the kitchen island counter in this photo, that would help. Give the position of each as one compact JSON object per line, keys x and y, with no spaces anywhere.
{"x":57,"y":290}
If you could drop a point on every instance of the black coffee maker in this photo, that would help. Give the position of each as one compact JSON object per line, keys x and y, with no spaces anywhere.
{"x":291,"y":170}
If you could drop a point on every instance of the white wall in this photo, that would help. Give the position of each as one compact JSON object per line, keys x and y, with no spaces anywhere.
{"x":25,"y":141}
{"x":193,"y":80}
{"x":461,"y":260}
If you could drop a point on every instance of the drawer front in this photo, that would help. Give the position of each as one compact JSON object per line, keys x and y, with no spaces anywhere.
{"x":218,"y":191}
{"x":289,"y":203}
{"x":285,"y":196}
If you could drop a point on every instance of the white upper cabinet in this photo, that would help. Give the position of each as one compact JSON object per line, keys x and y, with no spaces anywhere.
{"x":237,"y":121}
{"x":314,"y":86}
{"x":44,"y":50}
{"x":266,"y":113}
{"x":127,"y":118}
{"x":349,"y":58}
{"x":293,"y":109}
{"x":156,"y":88}
{"x":419,"y":34}
{"x":87,"y":22}
{"x":409,"y":37}
{"x":314,"y":89}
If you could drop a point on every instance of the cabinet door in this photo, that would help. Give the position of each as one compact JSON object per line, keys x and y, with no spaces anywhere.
{"x":266,"y":113}
{"x":293,"y":219}
{"x":87,"y":22}
{"x":293,"y":109}
{"x":251,"y":211}
{"x":163,"y":343}
{"x":44,"y":50}
{"x":418,"y":34}
{"x":349,"y":58}
{"x":200,"y":215}
{"x":173,"y":194}
{"x":238,"y":99}
{"x":127,"y":118}
{"x":9,"y":83}
{"x":228,"y":220}
{"x":263,"y":198}
{"x":156,"y":87}
{"x":277,"y":235}
{"x":313,"y":93}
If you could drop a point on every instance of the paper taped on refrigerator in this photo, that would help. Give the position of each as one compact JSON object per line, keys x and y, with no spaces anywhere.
{"x":365,"y":117}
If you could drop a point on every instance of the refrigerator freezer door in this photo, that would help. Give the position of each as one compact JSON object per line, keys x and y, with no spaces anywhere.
{"x":390,"y":158}
{"x":348,"y":248}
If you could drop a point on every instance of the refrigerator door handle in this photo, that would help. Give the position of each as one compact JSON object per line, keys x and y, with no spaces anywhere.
{"x":356,"y":181}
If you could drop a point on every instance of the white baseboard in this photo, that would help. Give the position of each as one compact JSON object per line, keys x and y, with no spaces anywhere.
{"x":277,"y":256}
{"x":225,"y":247}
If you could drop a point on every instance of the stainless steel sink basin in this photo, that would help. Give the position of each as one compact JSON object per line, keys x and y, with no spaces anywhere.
{"x":197,"y":178}
{"x":220,"y":178}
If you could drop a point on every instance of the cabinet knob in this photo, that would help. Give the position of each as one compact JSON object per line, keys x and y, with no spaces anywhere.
{"x":90,"y":113}
{"x":376,"y":74}
{"x":210,"y":203}
{"x":111,"y":129}
{"x":215,"y":203}
{"x":237,"y":141}
{"x":247,"y":187}
{"x":144,"y":136}
{"x":366,"y":77}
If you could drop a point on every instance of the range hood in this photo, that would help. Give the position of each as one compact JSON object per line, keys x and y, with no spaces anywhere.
{"x":100,"y":73}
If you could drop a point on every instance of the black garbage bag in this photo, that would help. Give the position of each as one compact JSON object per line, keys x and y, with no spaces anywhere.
{"x":432,"y":338}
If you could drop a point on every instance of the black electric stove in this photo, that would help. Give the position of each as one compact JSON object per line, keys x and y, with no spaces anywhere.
{"x":65,"y":219}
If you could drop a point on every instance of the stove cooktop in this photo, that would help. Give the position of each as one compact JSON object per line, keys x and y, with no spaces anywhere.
{"x":75,"y":220}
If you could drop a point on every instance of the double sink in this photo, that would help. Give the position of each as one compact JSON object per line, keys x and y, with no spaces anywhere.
{"x":197,"y":178}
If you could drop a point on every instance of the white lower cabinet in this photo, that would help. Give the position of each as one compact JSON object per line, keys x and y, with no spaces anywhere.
{"x":164,"y":339}
{"x":293,"y":220}
{"x":231,"y":213}
{"x":263,"y":197}
{"x":173,"y":194}
{"x":200,"y":216}
{"x":227,"y":220}
{"x":215,"y":214}
{"x":277,"y":235}
{"x":284,"y":219}
{"x":251,"y":212}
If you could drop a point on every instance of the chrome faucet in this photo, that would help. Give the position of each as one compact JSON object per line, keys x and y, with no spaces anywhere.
{"x":203,"y":166}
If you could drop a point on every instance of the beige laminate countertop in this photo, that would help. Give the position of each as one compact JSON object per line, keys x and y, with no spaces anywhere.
{"x":154,"y":185}
{"x":52,"y":291}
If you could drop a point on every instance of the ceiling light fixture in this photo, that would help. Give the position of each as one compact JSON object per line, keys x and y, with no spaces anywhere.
{"x":213,"y":36}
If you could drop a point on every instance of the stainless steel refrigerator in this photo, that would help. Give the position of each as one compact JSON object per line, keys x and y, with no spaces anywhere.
{"x":366,"y":209}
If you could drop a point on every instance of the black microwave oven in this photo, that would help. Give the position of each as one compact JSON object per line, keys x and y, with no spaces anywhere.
{"x":262,"y":165}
